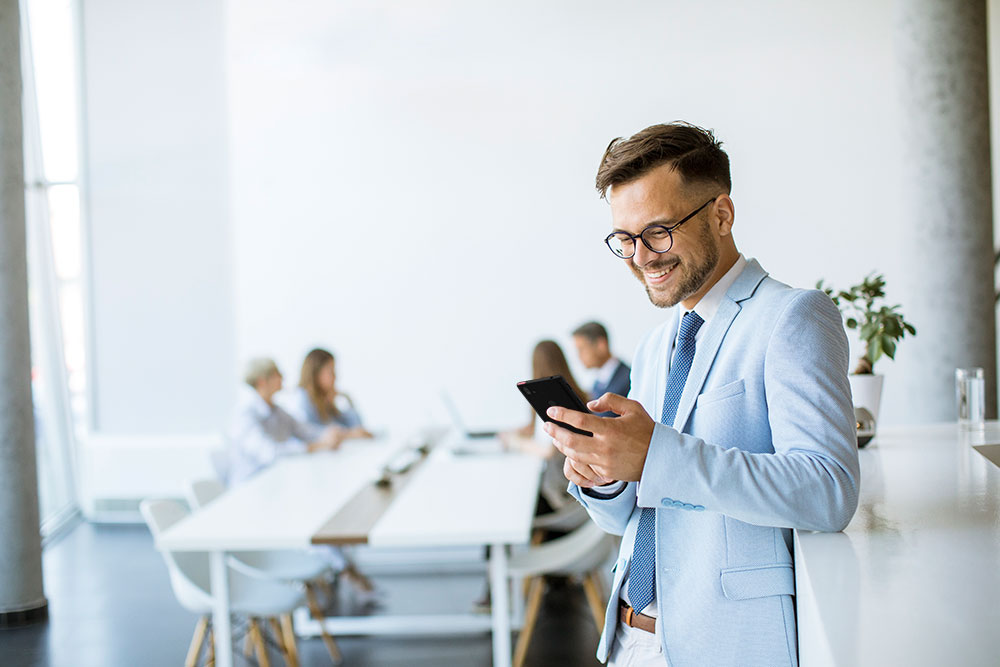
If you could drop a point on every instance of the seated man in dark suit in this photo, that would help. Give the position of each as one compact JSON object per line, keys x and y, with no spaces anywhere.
{"x":592,"y":346}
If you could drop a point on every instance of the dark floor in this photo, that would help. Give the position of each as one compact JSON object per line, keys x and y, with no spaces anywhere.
{"x":110,"y":604}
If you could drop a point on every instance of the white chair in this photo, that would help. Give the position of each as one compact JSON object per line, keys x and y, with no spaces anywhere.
{"x":582,"y":553}
{"x":569,"y":517}
{"x":301,"y":567}
{"x":256,"y":599}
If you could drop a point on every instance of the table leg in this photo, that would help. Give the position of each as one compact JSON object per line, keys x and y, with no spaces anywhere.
{"x":500,"y":602}
{"x":220,"y":612}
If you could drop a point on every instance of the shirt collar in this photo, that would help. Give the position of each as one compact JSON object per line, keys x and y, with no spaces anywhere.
{"x":606,"y":371}
{"x":709,"y":304}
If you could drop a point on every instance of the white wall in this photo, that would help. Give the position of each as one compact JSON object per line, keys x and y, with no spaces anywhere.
{"x":161,"y":277}
{"x":412,"y":181}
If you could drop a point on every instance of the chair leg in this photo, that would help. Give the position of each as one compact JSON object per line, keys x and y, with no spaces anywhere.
{"x":325,"y":586}
{"x":196,"y":641}
{"x":530,"y":616}
{"x":279,"y":639}
{"x":593,"y":592}
{"x":258,"y":642}
{"x":248,"y":641}
{"x":357,"y":578}
{"x":291,"y":650}
{"x":317,"y":613}
{"x":211,"y":647}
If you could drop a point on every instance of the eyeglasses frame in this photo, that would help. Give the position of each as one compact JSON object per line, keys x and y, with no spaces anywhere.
{"x":669,"y":230}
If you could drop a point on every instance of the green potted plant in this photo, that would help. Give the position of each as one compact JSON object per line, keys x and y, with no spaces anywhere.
{"x":880,"y":328}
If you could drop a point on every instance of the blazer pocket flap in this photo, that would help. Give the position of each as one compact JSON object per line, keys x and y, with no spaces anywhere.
{"x":719,"y":393}
{"x":743,"y":583}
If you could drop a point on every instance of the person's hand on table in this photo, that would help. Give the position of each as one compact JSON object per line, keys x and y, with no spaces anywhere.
{"x":616,"y":451}
{"x":329,"y":440}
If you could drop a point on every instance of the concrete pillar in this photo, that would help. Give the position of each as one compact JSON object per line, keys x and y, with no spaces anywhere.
{"x":947,"y":201}
{"x":22,"y":598}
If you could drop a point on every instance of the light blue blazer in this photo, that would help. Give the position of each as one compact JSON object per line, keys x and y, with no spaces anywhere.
{"x":768,"y":444}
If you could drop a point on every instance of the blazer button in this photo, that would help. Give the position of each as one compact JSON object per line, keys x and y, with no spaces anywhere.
{"x":666,"y":501}
{"x":699,"y":508}
{"x":688,"y":506}
{"x":677,"y":503}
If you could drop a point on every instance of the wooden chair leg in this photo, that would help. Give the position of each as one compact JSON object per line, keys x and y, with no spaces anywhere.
{"x":196,"y":641}
{"x":248,"y":640}
{"x":258,"y":642}
{"x":357,"y":578}
{"x":317,"y":613}
{"x":597,"y":603}
{"x":530,"y":616}
{"x":279,"y":639}
{"x":211,"y":647}
{"x":291,"y":650}
{"x":325,"y":586}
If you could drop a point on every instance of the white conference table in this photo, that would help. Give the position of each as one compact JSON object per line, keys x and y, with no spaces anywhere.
{"x":450,"y":500}
{"x":915,"y":578}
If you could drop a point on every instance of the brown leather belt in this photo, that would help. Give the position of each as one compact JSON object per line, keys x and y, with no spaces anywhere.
{"x":633,"y":619}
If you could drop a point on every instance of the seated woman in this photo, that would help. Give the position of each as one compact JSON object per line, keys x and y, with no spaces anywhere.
{"x":261,"y":430}
{"x":315,"y":400}
{"x":546,"y":359}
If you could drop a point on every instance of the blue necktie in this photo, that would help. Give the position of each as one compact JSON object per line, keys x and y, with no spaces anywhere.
{"x":642,"y":580}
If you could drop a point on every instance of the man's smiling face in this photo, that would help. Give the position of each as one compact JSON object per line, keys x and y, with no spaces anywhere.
{"x":661,"y":197}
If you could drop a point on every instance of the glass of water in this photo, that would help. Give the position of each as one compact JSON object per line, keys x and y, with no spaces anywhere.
{"x":970,"y":394}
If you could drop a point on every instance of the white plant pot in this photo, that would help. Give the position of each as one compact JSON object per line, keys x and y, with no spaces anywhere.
{"x":866,"y":391}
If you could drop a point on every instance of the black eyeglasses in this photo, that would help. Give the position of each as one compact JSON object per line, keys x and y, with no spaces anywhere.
{"x":658,"y":238}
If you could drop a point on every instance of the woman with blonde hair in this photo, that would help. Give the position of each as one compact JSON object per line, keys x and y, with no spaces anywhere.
{"x":317,"y":401}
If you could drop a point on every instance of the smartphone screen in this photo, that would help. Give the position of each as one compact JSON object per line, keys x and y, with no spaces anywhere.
{"x":543,"y":393}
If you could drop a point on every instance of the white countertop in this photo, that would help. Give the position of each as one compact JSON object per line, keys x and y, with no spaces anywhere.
{"x":915,"y":577}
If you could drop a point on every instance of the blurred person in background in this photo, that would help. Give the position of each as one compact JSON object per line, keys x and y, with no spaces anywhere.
{"x":547,"y":359}
{"x":612,"y":375}
{"x":261,"y":431}
{"x":316,"y":401}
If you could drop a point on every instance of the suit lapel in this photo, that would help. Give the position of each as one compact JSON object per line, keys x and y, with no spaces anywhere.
{"x":708,"y":347}
{"x":704,"y":355}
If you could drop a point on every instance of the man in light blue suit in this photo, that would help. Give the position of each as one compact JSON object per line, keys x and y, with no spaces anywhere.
{"x":752,"y":432}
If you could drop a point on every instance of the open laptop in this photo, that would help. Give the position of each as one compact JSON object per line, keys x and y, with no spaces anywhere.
{"x":456,"y":419}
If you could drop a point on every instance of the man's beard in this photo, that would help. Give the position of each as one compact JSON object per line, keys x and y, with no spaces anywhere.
{"x":693,"y":276}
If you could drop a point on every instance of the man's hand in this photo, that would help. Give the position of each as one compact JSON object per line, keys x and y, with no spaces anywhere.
{"x":617,"y":450}
{"x":582,"y":475}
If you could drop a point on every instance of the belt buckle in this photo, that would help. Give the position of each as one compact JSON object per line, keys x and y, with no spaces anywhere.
{"x":629,"y":611}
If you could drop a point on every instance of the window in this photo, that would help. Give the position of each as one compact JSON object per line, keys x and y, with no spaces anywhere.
{"x":49,"y":51}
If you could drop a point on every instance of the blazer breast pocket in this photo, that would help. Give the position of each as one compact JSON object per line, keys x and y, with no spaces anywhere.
{"x":737,"y":388}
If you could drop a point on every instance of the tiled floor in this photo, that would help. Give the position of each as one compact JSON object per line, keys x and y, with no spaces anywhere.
{"x":110,"y":604}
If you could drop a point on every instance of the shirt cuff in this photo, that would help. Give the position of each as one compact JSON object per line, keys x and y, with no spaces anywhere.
{"x":606,"y":492}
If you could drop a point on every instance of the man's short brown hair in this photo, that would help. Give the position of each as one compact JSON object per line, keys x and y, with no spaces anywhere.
{"x":693,"y":151}
{"x":592,"y":331}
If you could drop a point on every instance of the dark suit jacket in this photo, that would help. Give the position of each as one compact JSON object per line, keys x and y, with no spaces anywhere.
{"x":619,"y":384}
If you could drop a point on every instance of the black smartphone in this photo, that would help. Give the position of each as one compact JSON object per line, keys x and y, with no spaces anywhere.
{"x":543,"y":393}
